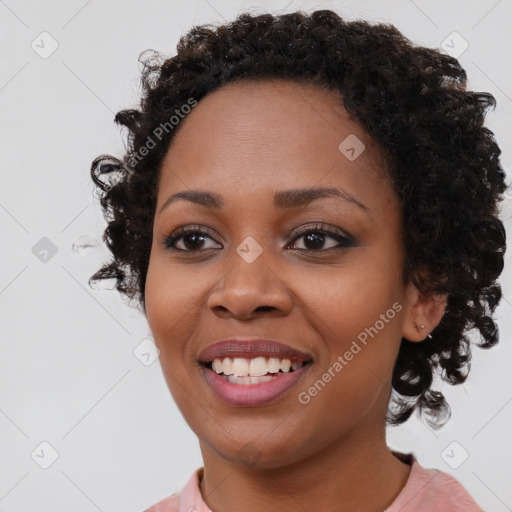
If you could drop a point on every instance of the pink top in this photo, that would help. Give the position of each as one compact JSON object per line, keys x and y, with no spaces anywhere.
{"x":426,"y":490}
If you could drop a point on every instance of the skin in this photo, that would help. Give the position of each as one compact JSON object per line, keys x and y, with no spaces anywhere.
{"x":244,"y":142}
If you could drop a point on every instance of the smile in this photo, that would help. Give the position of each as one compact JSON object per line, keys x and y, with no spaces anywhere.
{"x":251,"y":382}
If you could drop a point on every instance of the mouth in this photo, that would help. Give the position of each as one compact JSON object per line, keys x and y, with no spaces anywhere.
{"x":252,"y":372}
{"x":243,"y":371}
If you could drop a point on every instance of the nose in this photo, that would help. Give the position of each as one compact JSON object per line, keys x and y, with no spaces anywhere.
{"x":248,"y":290}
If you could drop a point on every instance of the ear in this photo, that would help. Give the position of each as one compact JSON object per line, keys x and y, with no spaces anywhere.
{"x":421,"y":311}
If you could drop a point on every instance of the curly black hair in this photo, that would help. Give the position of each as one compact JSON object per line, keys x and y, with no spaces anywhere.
{"x":413,"y":101}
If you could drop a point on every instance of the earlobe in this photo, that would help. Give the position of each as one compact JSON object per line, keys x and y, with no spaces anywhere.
{"x":423,"y":314}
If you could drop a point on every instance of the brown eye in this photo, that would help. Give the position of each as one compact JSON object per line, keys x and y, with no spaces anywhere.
{"x":315,"y":237}
{"x":191,"y":238}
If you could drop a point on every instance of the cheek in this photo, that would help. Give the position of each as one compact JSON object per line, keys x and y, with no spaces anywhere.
{"x":352,"y":381}
{"x":356,"y":310}
{"x":349,"y":298}
{"x":172,"y":292}
{"x":171,"y":311}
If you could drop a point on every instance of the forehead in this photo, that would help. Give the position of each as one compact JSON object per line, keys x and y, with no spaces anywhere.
{"x":252,"y":134}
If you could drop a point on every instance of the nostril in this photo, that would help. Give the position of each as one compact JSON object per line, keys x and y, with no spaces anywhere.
{"x":265,"y":308}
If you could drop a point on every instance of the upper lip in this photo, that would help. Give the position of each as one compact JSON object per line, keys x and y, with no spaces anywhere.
{"x":253,"y":347}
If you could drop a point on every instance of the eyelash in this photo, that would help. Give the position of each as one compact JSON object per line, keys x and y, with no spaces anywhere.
{"x":321,"y":228}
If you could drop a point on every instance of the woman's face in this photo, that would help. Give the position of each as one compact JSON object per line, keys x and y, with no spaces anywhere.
{"x":337,"y":298}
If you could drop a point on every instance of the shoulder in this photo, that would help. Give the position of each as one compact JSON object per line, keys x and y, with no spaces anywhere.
{"x":187,"y":500}
{"x":445,"y":490}
{"x":431,"y":490}
{"x":169,"y":504}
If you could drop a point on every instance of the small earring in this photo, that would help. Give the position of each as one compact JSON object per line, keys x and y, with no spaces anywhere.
{"x":415,"y":325}
{"x":429,"y":336}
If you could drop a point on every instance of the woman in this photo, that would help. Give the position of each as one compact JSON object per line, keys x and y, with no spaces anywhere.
{"x":307,"y":214}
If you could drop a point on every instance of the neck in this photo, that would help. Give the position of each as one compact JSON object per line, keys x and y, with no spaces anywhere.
{"x":358,"y":472}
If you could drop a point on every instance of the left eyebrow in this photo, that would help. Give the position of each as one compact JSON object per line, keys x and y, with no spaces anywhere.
{"x":303,"y":196}
{"x":292,"y":198}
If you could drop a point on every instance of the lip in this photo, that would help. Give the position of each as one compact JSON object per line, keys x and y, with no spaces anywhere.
{"x":247,"y":395}
{"x":250,"y":348}
{"x":252,"y":395}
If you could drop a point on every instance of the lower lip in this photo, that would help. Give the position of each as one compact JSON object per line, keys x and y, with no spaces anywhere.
{"x":253,"y":394}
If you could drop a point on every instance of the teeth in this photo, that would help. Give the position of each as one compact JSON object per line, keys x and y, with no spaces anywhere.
{"x":274,"y":364}
{"x":217,"y":365}
{"x":247,"y":380}
{"x":240,"y":367}
{"x":227,"y":366}
{"x":285,"y":365}
{"x":257,"y":367}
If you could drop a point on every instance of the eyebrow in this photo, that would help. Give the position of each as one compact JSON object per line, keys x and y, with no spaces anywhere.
{"x":293,"y":198}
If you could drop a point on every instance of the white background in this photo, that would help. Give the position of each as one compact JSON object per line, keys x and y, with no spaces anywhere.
{"x":68,"y":373}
